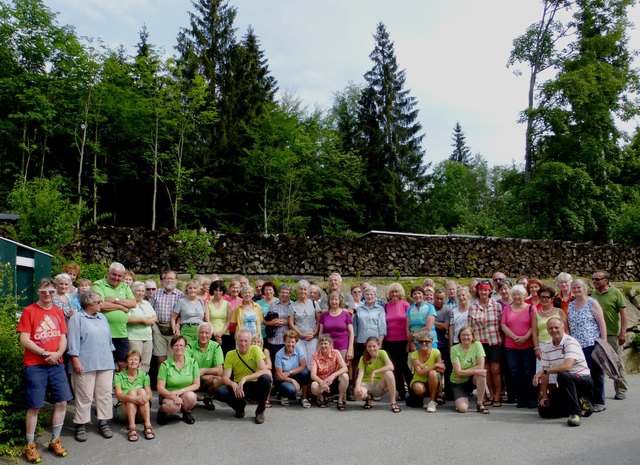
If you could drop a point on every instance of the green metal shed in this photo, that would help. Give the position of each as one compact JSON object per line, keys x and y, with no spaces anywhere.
{"x":28,"y":266}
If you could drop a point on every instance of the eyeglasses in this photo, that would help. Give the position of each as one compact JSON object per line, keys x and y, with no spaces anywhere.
{"x":151,"y":289}
{"x":597,"y":279}
{"x":47,"y":292}
{"x":544,"y":297}
{"x":425,"y":341}
{"x":96,"y":302}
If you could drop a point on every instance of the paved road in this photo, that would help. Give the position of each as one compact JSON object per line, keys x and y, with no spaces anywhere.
{"x":313,"y":436}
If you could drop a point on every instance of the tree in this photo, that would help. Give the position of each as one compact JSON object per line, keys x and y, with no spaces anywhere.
{"x":592,"y":89}
{"x":47,"y":215}
{"x":461,"y":152}
{"x":391,"y":144}
{"x":537,"y":49}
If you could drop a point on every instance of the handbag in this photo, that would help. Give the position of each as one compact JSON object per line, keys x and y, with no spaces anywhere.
{"x":271,"y":330}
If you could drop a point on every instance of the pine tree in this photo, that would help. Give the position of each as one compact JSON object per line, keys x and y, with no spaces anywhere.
{"x":391,"y":145}
{"x":461,"y":152}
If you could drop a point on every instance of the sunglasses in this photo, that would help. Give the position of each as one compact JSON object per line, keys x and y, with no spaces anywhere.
{"x":425,"y":341}
{"x":49,"y":292}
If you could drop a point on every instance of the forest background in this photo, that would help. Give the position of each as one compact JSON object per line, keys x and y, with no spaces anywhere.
{"x":203,"y":139}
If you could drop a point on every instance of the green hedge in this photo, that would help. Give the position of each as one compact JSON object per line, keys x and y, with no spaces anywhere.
{"x":11,"y":372}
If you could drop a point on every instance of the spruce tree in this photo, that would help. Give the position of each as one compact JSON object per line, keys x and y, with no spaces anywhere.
{"x":461,"y":152}
{"x":391,"y":146}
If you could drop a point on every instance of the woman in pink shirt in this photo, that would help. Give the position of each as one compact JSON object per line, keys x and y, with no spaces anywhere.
{"x":395,"y":343}
{"x":521,"y":360}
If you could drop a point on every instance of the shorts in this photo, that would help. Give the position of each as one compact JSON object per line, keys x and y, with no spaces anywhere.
{"x":121,"y":345}
{"x":37,"y":378}
{"x":493,"y":354}
{"x":374,"y":390}
{"x":463,"y":389}
{"x":161,"y":343}
{"x":335,"y":387}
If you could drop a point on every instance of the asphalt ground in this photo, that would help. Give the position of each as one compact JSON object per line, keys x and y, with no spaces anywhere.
{"x":507,"y":435}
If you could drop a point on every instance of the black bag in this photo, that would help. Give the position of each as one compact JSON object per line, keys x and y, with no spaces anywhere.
{"x":271,"y":330}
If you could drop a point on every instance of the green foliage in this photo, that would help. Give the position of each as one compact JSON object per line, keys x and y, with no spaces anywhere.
{"x":626,"y":229}
{"x":194,"y":247}
{"x":11,"y":373}
{"x":635,"y":343}
{"x":47,"y":217}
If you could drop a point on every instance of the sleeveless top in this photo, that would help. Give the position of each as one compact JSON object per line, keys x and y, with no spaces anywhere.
{"x":218,"y":315}
{"x":583,"y":324}
{"x":543,"y":334}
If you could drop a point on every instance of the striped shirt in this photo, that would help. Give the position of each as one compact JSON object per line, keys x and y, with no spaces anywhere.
{"x":486,"y":321}
{"x":569,"y":347}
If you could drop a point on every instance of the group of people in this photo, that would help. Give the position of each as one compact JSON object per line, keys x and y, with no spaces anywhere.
{"x":526,"y":343}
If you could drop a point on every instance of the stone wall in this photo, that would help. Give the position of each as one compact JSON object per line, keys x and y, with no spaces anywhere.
{"x":148,"y":252}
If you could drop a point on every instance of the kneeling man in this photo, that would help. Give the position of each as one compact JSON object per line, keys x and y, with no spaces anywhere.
{"x":564,"y":365}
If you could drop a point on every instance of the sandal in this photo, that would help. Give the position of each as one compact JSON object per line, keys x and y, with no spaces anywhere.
{"x":267,"y":404}
{"x":482,"y":409}
{"x":148,"y":433}
{"x":342,"y":406}
{"x":133,"y":435}
{"x":395,"y":408}
{"x":487,"y":403}
{"x":497,"y":403}
{"x":367,"y":403}
{"x":322,"y":403}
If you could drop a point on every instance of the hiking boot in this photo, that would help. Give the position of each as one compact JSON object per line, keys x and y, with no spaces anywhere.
{"x":31,"y":453}
{"x":57,"y":448}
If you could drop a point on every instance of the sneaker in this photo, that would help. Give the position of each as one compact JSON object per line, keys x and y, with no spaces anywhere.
{"x":188,"y":418}
{"x":431,"y":406}
{"x":162,"y":418}
{"x":620,"y":396}
{"x":284,"y":402}
{"x":81,"y":433}
{"x":105,"y":430}
{"x":305,"y":403}
{"x":574,"y":420}
{"x":260,"y":418}
{"x":31,"y":453}
{"x":57,"y":448}
{"x":585,"y":405}
{"x":597,"y":408}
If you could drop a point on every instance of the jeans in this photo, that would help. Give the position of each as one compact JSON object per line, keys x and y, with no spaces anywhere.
{"x":596,"y":375}
{"x":288,"y":390}
{"x":522,"y":366}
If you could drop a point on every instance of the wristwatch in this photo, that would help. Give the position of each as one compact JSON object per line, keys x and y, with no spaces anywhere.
{"x":43,"y":353}
{"x":544,"y":370}
{"x":117,"y":300}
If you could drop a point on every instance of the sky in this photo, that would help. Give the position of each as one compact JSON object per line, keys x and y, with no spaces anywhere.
{"x":454,"y":53}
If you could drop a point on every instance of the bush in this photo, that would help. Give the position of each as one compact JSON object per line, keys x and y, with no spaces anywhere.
{"x":47,"y":217}
{"x":11,"y":372}
{"x":194,"y":247}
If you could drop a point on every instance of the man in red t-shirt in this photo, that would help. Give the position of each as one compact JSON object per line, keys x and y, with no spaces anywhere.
{"x":43,"y":334}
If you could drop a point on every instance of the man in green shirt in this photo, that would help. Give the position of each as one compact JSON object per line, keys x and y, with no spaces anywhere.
{"x":117,"y":299}
{"x":251,"y":378}
{"x":208,"y":354}
{"x":615,"y":316}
